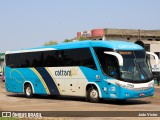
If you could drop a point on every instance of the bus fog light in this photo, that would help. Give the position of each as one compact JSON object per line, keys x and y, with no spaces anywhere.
{"x":141,"y":95}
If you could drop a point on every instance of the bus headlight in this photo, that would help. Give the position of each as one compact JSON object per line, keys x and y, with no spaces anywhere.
{"x":130,"y":86}
{"x":117,"y":83}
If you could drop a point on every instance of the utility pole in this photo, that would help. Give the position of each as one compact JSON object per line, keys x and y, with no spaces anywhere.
{"x":139,"y":34}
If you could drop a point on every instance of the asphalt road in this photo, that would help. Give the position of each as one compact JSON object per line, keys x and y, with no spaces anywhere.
{"x":18,"y":102}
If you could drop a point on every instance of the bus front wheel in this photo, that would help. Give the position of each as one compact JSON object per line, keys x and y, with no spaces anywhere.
{"x":92,"y":95}
{"x":28,"y":91}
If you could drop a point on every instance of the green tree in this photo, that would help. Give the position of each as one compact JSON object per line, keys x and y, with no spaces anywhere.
{"x":51,"y":42}
{"x":82,"y":38}
{"x":67,"y":40}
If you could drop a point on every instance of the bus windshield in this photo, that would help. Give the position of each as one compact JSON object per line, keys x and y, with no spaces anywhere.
{"x":135,"y":67}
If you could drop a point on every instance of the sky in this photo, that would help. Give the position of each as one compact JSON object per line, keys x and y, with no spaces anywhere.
{"x":31,"y":23}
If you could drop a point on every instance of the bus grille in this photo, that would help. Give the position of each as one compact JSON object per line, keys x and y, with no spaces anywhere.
{"x":138,"y":89}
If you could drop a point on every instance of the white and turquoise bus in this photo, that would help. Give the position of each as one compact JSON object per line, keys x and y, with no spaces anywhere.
{"x":91,"y":69}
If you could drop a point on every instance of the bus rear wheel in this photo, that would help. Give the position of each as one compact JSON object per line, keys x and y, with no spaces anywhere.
{"x":28,"y":91}
{"x":93,"y":95}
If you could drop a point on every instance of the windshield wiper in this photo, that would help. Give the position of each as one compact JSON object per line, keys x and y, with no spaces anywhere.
{"x":134,"y":70}
{"x":141,"y":69}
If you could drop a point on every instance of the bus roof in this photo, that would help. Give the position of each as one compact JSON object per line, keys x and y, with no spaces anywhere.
{"x":116,"y":45}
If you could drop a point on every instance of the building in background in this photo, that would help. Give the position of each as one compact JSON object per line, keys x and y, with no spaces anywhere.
{"x":151,"y":38}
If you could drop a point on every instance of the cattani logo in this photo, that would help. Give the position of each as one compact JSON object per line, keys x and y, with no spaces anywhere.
{"x":70,"y":72}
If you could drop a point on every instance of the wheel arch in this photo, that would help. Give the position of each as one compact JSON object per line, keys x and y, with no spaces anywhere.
{"x":28,"y":82}
{"x":94,"y":85}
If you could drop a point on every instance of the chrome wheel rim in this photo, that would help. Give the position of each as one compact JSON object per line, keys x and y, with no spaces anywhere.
{"x":28,"y":91}
{"x":94,"y":94}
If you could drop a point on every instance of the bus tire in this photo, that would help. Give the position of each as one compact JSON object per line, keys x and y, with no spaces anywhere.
{"x":28,"y":91}
{"x":93,"y":95}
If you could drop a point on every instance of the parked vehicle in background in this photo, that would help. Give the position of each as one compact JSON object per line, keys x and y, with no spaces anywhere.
{"x":3,"y":78}
{"x":156,"y":72}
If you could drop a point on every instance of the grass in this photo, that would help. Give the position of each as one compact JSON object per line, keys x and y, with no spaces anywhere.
{"x":8,"y":118}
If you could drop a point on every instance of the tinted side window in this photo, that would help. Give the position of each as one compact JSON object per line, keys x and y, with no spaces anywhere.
{"x":100,"y":53}
{"x":9,"y":60}
{"x":84,"y":58}
{"x":33,"y":59}
{"x":78,"y":57}
{"x":21,"y":60}
{"x":51,"y":59}
{"x":68,"y":57}
{"x":57,"y":58}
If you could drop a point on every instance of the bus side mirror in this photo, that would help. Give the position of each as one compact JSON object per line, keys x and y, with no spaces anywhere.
{"x":155,"y":57}
{"x":117,"y":55}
